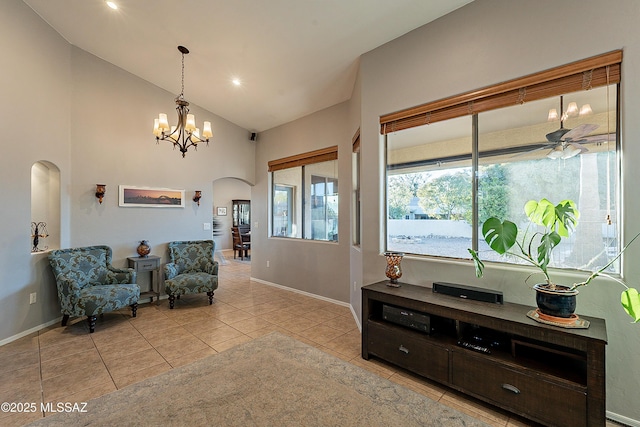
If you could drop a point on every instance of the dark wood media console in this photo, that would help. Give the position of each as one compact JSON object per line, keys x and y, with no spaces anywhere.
{"x":551,"y":375}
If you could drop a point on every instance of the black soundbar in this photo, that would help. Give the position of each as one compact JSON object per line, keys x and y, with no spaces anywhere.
{"x":468,"y":292}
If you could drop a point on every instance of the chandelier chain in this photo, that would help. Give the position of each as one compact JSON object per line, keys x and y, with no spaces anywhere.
{"x":182,"y":87}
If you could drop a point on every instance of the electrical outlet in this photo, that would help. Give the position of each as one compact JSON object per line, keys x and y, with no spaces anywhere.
{"x":32,"y":298}
{"x":267,"y":264}
{"x":354,"y":286}
{"x":255,"y":224}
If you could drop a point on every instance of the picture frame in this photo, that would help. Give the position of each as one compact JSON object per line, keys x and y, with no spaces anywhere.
{"x":221,"y":211}
{"x":150,"y":197}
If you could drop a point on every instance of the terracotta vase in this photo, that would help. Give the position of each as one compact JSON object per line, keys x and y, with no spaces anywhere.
{"x":143,"y":248}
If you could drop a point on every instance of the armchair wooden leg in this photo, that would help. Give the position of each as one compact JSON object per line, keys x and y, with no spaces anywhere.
{"x":92,"y":323}
{"x":65,"y":319}
{"x":134,"y":309}
{"x":210,"y":294}
{"x":172,"y":300}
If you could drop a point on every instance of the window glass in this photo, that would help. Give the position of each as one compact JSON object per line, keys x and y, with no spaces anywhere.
{"x":287,"y":201}
{"x":429,"y":189}
{"x":522,"y":154}
{"x":321,"y":209}
{"x":305,"y":202}
{"x":355,"y":202}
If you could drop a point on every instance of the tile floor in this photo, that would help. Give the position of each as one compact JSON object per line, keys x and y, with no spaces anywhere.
{"x":67,"y":364}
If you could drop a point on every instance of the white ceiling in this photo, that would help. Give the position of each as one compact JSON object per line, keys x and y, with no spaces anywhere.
{"x":294,"y":57}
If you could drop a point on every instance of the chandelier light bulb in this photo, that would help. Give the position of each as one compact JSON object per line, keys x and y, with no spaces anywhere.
{"x":191,"y":123}
{"x":206,"y":130}
{"x":156,"y":127}
{"x":553,"y":115}
{"x":163,"y":123}
{"x":572,"y":109}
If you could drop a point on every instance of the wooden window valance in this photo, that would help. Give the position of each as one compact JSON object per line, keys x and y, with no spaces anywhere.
{"x":355,"y":141}
{"x":580,"y":75}
{"x":317,"y":156}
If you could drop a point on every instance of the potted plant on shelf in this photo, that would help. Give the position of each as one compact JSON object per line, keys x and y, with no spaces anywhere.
{"x":535,"y":247}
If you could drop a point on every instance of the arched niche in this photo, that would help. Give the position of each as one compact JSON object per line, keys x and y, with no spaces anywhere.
{"x":45,"y":204}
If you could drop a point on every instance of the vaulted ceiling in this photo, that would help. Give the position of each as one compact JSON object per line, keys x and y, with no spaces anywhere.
{"x":292,"y":57}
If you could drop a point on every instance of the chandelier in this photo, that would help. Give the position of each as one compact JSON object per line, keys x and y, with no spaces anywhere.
{"x":185,"y":134}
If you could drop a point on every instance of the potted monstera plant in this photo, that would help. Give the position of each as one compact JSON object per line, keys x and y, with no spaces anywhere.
{"x":548,"y":225}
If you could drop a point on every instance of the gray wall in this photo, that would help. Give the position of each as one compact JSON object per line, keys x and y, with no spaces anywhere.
{"x":483,"y":43}
{"x":315,"y":267}
{"x":94,"y":122}
{"x":487,"y":42}
{"x":36,"y":114}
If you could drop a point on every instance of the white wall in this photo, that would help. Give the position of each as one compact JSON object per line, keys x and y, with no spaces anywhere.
{"x":487,"y":42}
{"x":94,"y":122}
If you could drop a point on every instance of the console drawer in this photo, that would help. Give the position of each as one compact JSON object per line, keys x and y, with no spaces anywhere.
{"x":528,"y":394}
{"x":408,"y":350}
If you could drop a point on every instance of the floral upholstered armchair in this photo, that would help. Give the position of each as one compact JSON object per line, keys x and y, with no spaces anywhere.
{"x":191,"y":269}
{"x":89,"y":285}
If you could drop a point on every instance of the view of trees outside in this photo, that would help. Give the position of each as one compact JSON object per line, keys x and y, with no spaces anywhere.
{"x":503,"y":189}
{"x":524,"y":152}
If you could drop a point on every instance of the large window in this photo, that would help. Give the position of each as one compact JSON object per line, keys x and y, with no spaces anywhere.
{"x":563,"y":146}
{"x":304,"y":196}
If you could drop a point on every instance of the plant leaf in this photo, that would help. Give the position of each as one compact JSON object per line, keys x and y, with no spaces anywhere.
{"x":566,"y":213}
{"x":500,"y":236}
{"x":541,"y":213}
{"x":477,"y":262}
{"x":547,"y":243}
{"x":631,"y":303}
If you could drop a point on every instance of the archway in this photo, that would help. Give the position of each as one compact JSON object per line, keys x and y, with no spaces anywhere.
{"x":225,"y":190}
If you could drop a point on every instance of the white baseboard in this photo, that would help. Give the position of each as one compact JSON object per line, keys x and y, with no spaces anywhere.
{"x":320,"y":297}
{"x":622,"y":419}
{"x":30,"y":331}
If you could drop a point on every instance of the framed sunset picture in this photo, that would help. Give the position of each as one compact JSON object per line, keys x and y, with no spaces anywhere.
{"x":149,"y":197}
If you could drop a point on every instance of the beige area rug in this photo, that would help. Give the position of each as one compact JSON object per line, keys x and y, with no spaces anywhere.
{"x":271,"y":381}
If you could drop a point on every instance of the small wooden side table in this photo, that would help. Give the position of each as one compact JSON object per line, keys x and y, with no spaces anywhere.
{"x":149,"y":263}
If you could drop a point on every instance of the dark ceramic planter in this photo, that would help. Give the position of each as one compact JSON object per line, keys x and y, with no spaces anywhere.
{"x":559,"y":302}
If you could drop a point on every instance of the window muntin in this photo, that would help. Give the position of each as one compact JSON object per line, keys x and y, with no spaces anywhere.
{"x":513,"y":167}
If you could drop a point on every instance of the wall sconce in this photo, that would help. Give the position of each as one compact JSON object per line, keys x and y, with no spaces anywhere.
{"x":197,"y":196}
{"x":100,"y":190}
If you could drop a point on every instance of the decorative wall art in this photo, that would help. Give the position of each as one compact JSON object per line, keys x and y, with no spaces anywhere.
{"x":148,"y":197}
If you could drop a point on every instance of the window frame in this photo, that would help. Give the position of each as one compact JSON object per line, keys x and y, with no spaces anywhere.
{"x":300,"y":161}
{"x":601,"y":70}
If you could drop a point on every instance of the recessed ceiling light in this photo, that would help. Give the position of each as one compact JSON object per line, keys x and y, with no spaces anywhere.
{"x":236,"y":82}
{"x":112,"y":5}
